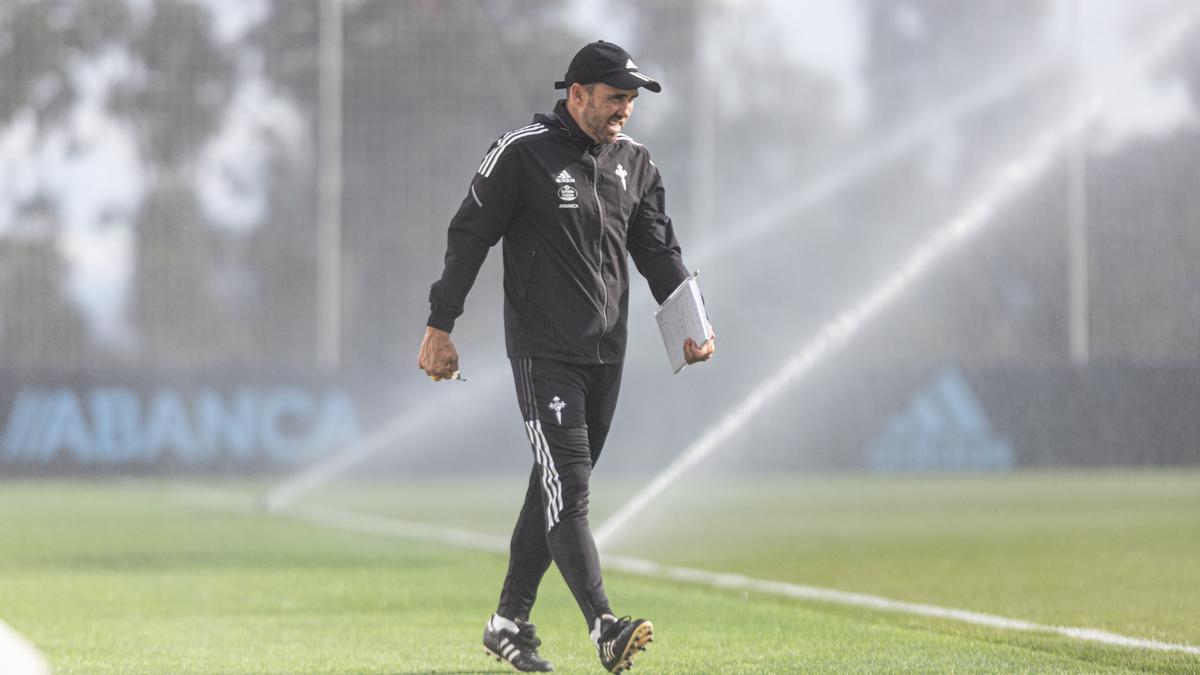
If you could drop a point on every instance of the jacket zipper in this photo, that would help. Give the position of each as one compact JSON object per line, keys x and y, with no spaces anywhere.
{"x":600,"y":272}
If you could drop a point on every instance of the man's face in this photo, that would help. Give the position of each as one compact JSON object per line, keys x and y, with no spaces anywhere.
{"x":606,"y":109}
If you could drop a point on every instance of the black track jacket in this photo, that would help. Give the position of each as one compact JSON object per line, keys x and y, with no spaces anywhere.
{"x":568,"y":209}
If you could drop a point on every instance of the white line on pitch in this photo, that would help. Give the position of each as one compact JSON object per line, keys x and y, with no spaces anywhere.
{"x":393,"y":527}
{"x":800,"y":591}
{"x":18,"y":656}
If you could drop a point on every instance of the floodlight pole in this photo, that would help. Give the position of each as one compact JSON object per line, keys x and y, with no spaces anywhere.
{"x":1080,"y":314}
{"x":1078,"y":301}
{"x":329,"y":187}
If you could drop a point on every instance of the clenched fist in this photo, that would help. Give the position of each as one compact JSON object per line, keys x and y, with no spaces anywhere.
{"x":437,"y":356}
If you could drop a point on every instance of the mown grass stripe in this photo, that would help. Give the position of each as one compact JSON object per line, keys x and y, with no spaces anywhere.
{"x":394,"y":527}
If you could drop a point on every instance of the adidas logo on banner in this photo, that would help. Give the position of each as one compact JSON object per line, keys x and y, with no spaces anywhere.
{"x":564,"y":177}
{"x":943,"y":428}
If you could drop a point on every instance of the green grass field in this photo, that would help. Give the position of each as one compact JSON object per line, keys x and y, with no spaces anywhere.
{"x":127,"y":577}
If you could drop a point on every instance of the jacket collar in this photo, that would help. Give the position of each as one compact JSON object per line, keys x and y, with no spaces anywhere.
{"x":561,"y":119}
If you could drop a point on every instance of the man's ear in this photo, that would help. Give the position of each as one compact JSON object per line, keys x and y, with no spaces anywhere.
{"x":576,"y":92}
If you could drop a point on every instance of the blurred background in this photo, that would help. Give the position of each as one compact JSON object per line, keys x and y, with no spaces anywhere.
{"x":219,"y":221}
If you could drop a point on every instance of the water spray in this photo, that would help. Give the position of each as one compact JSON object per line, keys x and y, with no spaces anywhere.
{"x":1010,"y":181}
{"x":879,"y":152}
{"x":403,"y":426}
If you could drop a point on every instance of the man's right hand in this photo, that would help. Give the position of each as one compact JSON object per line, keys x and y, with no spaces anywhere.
{"x":438,"y":357}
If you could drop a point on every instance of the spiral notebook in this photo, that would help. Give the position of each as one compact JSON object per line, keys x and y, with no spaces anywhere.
{"x":682,"y":316}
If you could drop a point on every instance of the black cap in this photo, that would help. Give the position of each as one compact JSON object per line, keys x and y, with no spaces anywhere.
{"x":605,"y":62}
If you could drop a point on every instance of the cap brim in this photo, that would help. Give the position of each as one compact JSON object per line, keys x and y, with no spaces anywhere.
{"x":632,"y":80}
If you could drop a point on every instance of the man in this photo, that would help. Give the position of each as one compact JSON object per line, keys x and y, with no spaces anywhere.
{"x":569,"y":195}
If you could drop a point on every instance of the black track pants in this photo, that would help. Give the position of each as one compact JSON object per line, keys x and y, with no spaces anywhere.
{"x":567,"y":409}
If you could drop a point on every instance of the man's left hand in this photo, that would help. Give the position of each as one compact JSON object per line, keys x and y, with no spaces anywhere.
{"x":696,"y":354}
